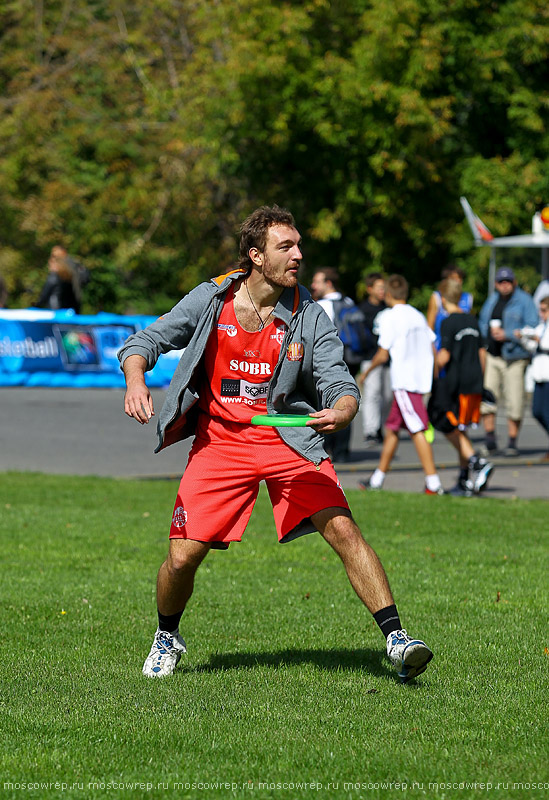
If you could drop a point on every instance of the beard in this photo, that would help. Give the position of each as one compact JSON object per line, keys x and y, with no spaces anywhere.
{"x":278,"y":275}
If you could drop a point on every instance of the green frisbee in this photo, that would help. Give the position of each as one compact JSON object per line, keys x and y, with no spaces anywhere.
{"x":282,"y":420}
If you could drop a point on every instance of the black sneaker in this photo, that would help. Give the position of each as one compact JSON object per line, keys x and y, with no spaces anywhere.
{"x":461,"y":489}
{"x":511,"y":452}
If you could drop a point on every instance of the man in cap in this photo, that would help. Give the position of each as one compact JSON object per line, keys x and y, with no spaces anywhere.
{"x":507,"y":309}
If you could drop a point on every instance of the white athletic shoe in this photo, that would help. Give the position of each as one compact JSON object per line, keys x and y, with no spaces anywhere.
{"x":409,"y":656}
{"x":481,"y":469}
{"x":165,"y":653}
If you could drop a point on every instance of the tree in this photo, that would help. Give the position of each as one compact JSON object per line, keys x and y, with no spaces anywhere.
{"x":141,"y":135}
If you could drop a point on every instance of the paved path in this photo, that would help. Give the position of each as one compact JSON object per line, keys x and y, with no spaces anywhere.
{"x":85,"y":432}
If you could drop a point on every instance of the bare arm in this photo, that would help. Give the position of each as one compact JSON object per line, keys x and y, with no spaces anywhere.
{"x":482,"y":358}
{"x":432,"y":309}
{"x":442,"y":357}
{"x":137,"y":400}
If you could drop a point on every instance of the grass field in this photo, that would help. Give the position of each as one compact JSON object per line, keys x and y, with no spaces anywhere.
{"x":285,"y":683}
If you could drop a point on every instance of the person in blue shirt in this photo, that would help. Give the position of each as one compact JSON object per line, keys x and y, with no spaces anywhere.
{"x":507,"y":309}
{"x":436,"y":313}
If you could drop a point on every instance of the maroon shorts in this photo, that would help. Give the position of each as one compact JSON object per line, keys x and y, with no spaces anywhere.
{"x":218,"y":490}
{"x":407,"y":411}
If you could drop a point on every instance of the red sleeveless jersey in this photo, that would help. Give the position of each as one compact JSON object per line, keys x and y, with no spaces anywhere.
{"x":238,"y":366}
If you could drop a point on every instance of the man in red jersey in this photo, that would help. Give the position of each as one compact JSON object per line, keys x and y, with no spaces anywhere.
{"x":255,"y":342}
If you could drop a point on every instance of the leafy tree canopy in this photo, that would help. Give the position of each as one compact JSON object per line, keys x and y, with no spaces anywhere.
{"x":140,"y":135}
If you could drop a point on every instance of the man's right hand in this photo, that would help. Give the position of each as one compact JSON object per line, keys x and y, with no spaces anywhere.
{"x":138,"y":403}
{"x":137,"y":400}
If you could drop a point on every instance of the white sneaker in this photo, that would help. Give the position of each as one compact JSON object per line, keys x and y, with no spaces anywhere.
{"x":166,"y":651}
{"x":409,"y":656}
{"x":481,"y":469}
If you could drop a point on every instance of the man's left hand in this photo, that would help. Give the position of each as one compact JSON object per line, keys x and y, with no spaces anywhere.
{"x":334,"y":419}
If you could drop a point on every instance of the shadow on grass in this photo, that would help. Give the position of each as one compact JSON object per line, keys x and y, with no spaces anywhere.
{"x":367,"y":661}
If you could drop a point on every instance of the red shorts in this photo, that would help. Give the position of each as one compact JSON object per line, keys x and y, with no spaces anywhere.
{"x":407,"y":411}
{"x":218,"y":490}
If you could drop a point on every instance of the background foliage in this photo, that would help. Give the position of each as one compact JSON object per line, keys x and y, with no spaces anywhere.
{"x":139,"y":135}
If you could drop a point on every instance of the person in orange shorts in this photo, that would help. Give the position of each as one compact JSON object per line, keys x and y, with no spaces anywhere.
{"x":255,"y":342}
{"x":456,"y":397}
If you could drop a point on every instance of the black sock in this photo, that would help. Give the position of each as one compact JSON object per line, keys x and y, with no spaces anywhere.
{"x":464,"y":473}
{"x":490,"y":437}
{"x":170,"y":623}
{"x":512,"y":441}
{"x":388,"y":620}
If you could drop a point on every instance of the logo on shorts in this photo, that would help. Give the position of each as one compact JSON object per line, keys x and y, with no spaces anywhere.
{"x":295,"y":351}
{"x":229,"y":329}
{"x":179,"y":517}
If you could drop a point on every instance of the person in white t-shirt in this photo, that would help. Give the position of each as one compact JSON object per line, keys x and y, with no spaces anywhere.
{"x":407,"y":340}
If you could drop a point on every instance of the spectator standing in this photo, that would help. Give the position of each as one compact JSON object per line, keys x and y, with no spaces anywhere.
{"x":436,"y":312}
{"x":537,"y":341}
{"x":376,"y":389}
{"x":507,"y":309}
{"x":407,"y":340}
{"x":455,"y":400}
{"x":325,"y":290}
{"x":62,"y":287}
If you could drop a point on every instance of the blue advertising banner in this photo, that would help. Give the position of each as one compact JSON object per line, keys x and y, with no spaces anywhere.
{"x":60,"y":348}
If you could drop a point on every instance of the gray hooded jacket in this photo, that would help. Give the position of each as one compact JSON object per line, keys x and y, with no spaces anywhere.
{"x":314,"y":377}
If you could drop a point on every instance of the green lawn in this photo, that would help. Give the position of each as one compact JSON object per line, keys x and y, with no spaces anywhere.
{"x":285,"y":682}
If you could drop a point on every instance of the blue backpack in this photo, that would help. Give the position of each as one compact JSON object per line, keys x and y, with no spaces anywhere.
{"x":352,"y":330}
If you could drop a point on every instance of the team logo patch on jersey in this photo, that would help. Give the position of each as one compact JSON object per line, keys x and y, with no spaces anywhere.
{"x":229,"y":329}
{"x":295,"y":351}
{"x":179,"y":517}
{"x":280,"y":332}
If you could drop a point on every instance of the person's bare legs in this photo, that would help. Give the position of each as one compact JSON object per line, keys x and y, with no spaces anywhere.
{"x":489,"y":422}
{"x":368,"y":579}
{"x":425,"y":453}
{"x":174,"y":587}
{"x":363,"y":567}
{"x":390,"y":445}
{"x":175,"y":581}
{"x":463,"y":445}
{"x":513,"y":427}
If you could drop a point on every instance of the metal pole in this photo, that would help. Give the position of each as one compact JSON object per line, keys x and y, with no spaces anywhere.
{"x":544,"y":263}
{"x":492,"y":271}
